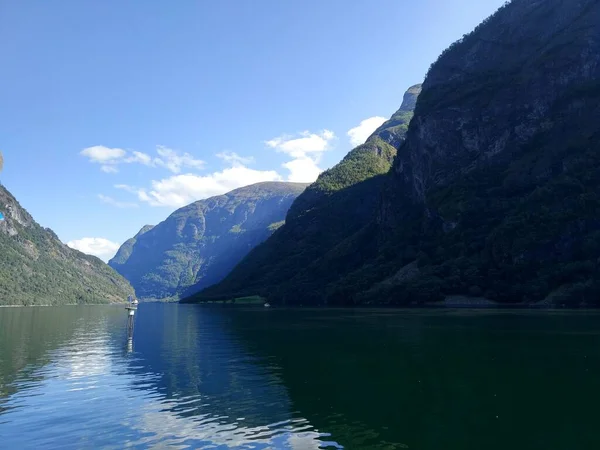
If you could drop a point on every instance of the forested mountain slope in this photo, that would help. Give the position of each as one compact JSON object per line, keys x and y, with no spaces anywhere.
{"x":36,"y":268}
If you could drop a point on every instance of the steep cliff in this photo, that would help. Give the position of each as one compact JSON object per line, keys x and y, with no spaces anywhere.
{"x":126,"y":249}
{"x":199,"y":244}
{"x":495,"y":193}
{"x":36,"y":268}
{"x":337,"y":207}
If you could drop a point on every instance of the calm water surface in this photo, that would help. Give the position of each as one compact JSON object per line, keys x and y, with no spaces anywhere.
{"x":236,"y":378}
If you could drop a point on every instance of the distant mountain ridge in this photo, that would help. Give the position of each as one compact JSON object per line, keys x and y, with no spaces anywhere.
{"x":36,"y":268}
{"x":199,"y":244}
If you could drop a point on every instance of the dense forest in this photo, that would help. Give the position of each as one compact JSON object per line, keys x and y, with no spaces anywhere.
{"x":36,"y":268}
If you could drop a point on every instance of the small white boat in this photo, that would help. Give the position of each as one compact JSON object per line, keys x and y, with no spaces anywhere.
{"x":267,"y":305}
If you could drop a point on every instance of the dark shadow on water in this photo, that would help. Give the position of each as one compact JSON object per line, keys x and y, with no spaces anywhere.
{"x":453,"y":379}
{"x":271,"y":378}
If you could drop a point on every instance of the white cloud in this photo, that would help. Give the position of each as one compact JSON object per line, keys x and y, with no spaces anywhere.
{"x":139,"y":157}
{"x":167,"y":158}
{"x":103,"y":155}
{"x":175,"y":162}
{"x":235,"y":159}
{"x":306,"y":151}
{"x":116,"y":203}
{"x":358,"y":135}
{"x":302,"y":170}
{"x":109,"y":169}
{"x":300,"y":146}
{"x":127,"y":188}
{"x":100,"y":247}
{"x":181,"y":190}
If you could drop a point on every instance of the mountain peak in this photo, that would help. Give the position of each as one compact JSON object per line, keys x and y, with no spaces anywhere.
{"x":409,"y":100}
{"x":394,"y":130}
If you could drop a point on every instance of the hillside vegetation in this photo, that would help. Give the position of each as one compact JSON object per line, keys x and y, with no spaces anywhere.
{"x":36,"y":268}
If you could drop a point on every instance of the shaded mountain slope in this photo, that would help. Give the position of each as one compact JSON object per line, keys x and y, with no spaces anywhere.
{"x":36,"y":268}
{"x":199,"y":244}
{"x":501,"y":168}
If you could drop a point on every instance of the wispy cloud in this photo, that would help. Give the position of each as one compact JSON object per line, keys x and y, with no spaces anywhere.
{"x":104,"y":155}
{"x":170,"y":159}
{"x":235,"y":159}
{"x":181,"y":190}
{"x":302,"y":170}
{"x":100,"y":247}
{"x":111,"y":201}
{"x":109,"y":169}
{"x":305,"y":143}
{"x":359,"y":134}
{"x":306,"y":150}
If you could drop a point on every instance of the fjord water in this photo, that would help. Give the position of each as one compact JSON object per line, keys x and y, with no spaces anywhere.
{"x":233,"y":377}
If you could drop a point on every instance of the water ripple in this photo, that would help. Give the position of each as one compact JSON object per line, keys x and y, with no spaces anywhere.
{"x":190,"y":386}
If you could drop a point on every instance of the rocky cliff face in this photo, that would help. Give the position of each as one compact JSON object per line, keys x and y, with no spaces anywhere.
{"x":501,"y":160}
{"x":511,"y":84}
{"x":199,"y":244}
{"x":36,"y":268}
{"x":325,"y":218}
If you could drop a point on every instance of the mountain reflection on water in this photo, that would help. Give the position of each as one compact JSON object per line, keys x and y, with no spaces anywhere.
{"x":186,"y":383}
{"x":215,"y":377}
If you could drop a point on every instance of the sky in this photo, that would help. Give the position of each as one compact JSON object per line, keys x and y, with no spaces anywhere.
{"x":115,"y":113}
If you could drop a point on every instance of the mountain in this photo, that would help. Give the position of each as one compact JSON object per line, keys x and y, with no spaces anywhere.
{"x":497,"y":187}
{"x":36,"y":268}
{"x":340,"y":204}
{"x":199,"y":244}
{"x":126,"y":249}
{"x":494,"y":195}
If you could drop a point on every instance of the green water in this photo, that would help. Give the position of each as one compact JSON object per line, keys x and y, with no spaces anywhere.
{"x":255,"y":378}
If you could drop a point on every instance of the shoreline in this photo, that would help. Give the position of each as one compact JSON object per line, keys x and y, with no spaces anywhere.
{"x":64,"y":304}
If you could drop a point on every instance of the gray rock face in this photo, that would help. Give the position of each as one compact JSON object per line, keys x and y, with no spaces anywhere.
{"x":492,"y":93}
{"x":199,"y":244}
{"x":498,"y":177}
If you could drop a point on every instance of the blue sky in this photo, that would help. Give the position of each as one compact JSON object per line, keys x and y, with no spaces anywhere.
{"x":115,"y":113}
